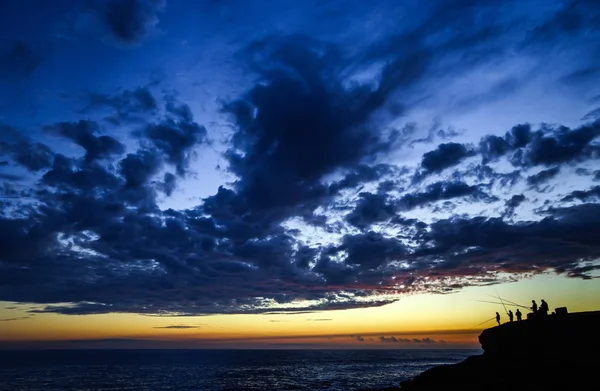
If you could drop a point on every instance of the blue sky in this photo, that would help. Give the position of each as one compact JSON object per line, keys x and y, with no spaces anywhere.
{"x":209,"y":157}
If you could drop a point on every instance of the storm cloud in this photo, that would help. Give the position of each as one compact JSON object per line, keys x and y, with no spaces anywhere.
{"x":294,"y":177}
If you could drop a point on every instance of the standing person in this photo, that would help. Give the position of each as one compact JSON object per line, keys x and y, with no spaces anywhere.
{"x":518,"y":313}
{"x":510,"y":316}
{"x":533,"y":306}
{"x":544,"y":307}
{"x":498,"y":318}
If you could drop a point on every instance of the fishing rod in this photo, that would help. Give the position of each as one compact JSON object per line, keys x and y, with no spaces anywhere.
{"x":505,"y":310}
{"x":483,"y":322}
{"x":495,"y":302}
{"x":485,"y":301}
{"x":508,"y":301}
{"x":511,"y":302}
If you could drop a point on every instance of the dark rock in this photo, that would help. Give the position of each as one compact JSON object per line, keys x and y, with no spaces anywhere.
{"x":552,"y":352}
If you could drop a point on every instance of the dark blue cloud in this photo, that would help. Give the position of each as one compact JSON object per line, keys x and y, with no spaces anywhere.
{"x":371,"y":208}
{"x":515,"y":201}
{"x":29,"y":153}
{"x":300,"y":123}
{"x":441,"y":191}
{"x":575,"y":19}
{"x":550,"y":144}
{"x":445,"y":156}
{"x":542,"y":176}
{"x":592,"y":194}
{"x":126,"y":106}
{"x":309,"y":142}
{"x":18,"y":60}
{"x":124,"y":22}
{"x":593,"y":115}
{"x":176,"y":140}
{"x":84,"y":134}
{"x":554,"y":145}
{"x":138,"y":168}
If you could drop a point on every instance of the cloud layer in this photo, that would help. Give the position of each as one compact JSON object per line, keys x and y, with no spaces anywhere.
{"x":333,"y":204}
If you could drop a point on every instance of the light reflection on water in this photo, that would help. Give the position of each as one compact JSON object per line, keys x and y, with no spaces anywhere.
{"x":216,"y":370}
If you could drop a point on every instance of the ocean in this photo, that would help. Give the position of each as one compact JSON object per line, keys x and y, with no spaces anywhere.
{"x":216,"y":370}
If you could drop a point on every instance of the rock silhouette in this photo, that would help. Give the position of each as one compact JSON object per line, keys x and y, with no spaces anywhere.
{"x":554,"y":352}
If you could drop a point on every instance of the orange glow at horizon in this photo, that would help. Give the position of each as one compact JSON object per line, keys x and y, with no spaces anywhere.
{"x":451,"y":318}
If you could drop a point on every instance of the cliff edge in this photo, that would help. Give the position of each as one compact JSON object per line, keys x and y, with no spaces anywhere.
{"x":552,"y":352}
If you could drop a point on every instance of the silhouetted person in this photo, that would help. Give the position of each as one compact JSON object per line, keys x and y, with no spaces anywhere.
{"x":498,"y":318}
{"x":544,"y":307}
{"x":510,"y":316}
{"x":533,"y":306}
{"x":518,"y":313}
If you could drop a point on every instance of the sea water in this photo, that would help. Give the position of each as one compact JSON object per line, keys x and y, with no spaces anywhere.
{"x":216,"y":370}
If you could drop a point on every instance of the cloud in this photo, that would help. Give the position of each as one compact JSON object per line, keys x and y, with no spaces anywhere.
{"x":580,"y":75}
{"x":18,"y":60}
{"x":593,"y":115}
{"x":388,"y":339}
{"x":445,"y":156}
{"x":177,"y":327}
{"x":441,"y":191}
{"x":554,"y":145}
{"x":83,"y":134}
{"x":99,"y":220}
{"x":369,"y":250}
{"x":393,"y":339}
{"x":169,"y":184}
{"x":127,"y":106}
{"x":176,"y":139}
{"x":15,"y":319}
{"x":121,"y":22}
{"x":549,"y":145}
{"x":542,"y":176}
{"x":34,"y":156}
{"x":584,"y":195}
{"x":108,"y":340}
{"x":511,"y":204}
{"x":138,"y":168}
{"x":515,"y":200}
{"x":480,"y":242}
{"x":306,"y":124}
{"x":571,"y":21}
{"x":331,"y":205}
{"x":371,"y":208}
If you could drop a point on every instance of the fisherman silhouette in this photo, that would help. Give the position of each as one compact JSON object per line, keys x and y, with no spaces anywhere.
{"x":498,"y":318}
{"x":510,"y":316}
{"x":518,"y":313}
{"x":544,"y":307}
{"x":533,"y":306}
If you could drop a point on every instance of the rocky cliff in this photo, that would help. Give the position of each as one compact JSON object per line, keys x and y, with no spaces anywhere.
{"x":552,"y":352}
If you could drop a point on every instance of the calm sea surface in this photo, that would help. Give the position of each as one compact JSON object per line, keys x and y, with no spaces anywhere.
{"x":216,"y":370}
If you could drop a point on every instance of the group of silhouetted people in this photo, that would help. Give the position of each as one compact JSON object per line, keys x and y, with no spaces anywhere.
{"x":517,"y":313}
{"x":510,"y":316}
{"x":541,"y":311}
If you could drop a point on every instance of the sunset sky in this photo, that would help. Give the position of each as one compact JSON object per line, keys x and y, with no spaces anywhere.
{"x":294,"y":174}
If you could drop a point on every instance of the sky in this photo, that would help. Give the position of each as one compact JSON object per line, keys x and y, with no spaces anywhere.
{"x":294,"y":174}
